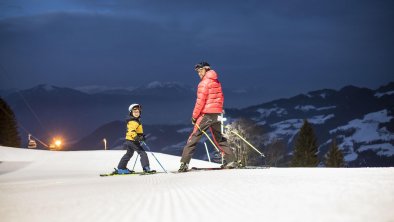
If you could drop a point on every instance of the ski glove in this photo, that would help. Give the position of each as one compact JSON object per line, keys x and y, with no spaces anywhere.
{"x":140,"y":137}
{"x":194,"y":121}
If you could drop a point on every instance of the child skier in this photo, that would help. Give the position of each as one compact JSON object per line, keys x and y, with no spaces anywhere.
{"x":134,"y":136}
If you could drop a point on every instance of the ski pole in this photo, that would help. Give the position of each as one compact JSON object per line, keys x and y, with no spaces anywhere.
{"x":217,"y":149}
{"x":207,"y":137}
{"x":262,"y":154}
{"x":206,"y":148}
{"x":135,"y":161}
{"x":154,"y":156}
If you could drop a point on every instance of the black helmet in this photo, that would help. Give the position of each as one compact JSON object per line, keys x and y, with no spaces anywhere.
{"x":201,"y":65}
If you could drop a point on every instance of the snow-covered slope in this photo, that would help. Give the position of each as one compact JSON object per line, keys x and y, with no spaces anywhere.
{"x":64,"y":186}
{"x":361,"y":120}
{"x":367,"y":134}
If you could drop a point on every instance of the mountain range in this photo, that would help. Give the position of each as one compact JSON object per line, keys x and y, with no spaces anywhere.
{"x":48,"y":111}
{"x":360,"y":119}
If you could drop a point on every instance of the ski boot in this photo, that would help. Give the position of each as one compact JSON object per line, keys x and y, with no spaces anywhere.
{"x":147,"y":169}
{"x":123,"y":171}
{"x":231,"y":165}
{"x":184,"y":167}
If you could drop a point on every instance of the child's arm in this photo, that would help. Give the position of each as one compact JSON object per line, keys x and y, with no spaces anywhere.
{"x":132,"y":129}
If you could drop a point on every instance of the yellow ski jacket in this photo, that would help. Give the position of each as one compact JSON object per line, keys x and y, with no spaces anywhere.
{"x":134,"y":128}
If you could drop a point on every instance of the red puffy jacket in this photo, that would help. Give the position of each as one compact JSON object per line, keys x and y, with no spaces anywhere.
{"x":209,"y":95}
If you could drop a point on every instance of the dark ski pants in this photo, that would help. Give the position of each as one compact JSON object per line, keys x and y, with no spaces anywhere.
{"x":207,"y":121}
{"x":131,"y":146}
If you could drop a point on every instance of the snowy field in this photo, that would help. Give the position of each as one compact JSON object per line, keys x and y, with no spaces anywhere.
{"x":64,"y":186}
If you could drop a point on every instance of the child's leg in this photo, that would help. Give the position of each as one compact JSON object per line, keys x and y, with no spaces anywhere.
{"x":125,"y":159}
{"x":143,"y":155}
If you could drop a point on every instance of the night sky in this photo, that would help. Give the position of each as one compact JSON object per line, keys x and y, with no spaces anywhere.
{"x":284,"y":47}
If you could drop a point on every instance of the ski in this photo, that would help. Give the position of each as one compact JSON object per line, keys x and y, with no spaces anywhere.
{"x":148,"y":173}
{"x":239,"y":168}
{"x":207,"y":168}
{"x":115,"y":174}
{"x":195,"y":169}
{"x":128,"y":174}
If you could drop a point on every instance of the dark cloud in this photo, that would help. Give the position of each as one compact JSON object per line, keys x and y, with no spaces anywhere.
{"x":285,"y":47}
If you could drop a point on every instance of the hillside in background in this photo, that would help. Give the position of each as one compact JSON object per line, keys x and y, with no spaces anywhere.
{"x":48,"y":111}
{"x":361,"y":119}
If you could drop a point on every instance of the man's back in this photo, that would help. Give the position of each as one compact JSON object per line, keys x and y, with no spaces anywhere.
{"x":210,"y":97}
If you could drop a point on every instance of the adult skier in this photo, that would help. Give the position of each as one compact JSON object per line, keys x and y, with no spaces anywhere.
{"x":208,"y":107}
{"x":134,"y":136}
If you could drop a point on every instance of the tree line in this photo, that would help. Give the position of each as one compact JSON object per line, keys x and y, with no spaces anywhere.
{"x":9,"y":135}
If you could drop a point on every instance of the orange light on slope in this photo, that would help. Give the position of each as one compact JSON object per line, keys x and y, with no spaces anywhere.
{"x":56,"y":144}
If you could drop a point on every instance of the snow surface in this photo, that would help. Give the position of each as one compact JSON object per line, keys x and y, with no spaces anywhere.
{"x":307,"y":108}
{"x":320,"y":119}
{"x":385,"y":149}
{"x":384,"y":93}
{"x":366,"y":131}
{"x":291,"y":127}
{"x":64,"y":186}
{"x":288,"y":127}
{"x":264,"y":113}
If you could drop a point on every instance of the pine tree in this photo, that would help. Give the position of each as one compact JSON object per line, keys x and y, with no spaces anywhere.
{"x":334,"y":157}
{"x":275,"y":152}
{"x":9,"y":135}
{"x":305,"y":149}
